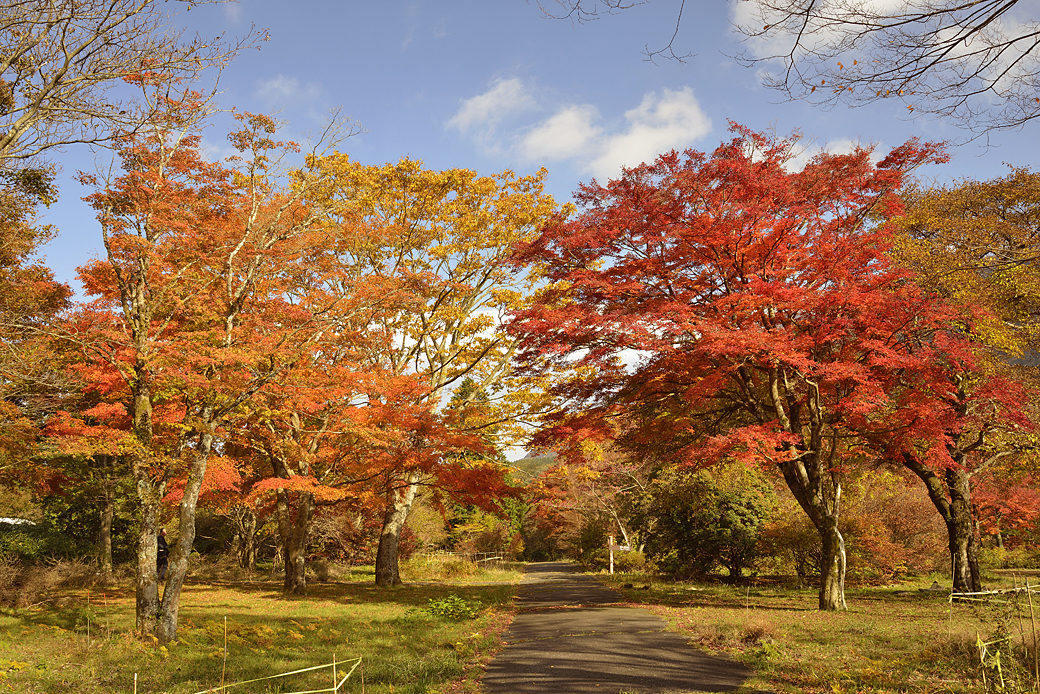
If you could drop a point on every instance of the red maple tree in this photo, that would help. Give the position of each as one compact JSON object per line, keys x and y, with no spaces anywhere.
{"x":729,"y":306}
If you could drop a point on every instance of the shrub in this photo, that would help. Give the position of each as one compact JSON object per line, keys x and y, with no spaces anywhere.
{"x":890,"y":529}
{"x":22,"y":583}
{"x":434,"y":568}
{"x":453,"y":607}
{"x":1006,"y":558}
{"x":627,"y":562}
{"x":695,"y":522}
{"x":33,"y":543}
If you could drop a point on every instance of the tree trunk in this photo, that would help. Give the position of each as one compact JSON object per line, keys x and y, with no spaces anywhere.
{"x":149,"y":495}
{"x":398,"y":504}
{"x":166,"y":630}
{"x":832,"y":567}
{"x":283,"y":510}
{"x":245,"y":539}
{"x":296,"y":545}
{"x":108,"y":506}
{"x":147,"y":549}
{"x":818,"y":492}
{"x":951,"y":496}
{"x":960,"y":526}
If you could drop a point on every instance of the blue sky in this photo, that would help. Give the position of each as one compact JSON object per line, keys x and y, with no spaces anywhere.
{"x":495,"y":84}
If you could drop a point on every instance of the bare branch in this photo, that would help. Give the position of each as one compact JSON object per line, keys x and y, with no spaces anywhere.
{"x":973,"y":63}
{"x":62,"y":63}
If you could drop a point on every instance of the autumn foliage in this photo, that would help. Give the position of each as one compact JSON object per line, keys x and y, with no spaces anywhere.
{"x":729,"y":306}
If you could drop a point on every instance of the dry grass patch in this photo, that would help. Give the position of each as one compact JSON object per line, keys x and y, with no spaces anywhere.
{"x":24,"y":584}
{"x":892,"y":639}
{"x":405,"y":647}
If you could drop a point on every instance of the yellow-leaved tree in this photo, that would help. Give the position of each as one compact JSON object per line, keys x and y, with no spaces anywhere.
{"x":977,"y":243}
{"x":446,"y":236}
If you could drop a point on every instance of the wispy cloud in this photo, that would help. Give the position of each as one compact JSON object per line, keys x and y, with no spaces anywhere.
{"x":484,"y":111}
{"x":233,"y":12}
{"x":281,"y":91}
{"x":578,"y":132}
{"x":802,"y":154}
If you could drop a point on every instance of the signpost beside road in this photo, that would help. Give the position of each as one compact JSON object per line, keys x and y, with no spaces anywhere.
{"x":619,"y":548}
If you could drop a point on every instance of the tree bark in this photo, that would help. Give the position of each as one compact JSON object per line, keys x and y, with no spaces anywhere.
{"x":294,"y":527}
{"x":809,"y":469}
{"x":832,"y":567}
{"x":147,"y":578}
{"x":166,"y":630}
{"x":296,"y":545}
{"x":108,"y":506}
{"x":951,"y":496}
{"x":398,"y":504}
{"x":149,"y":494}
{"x":245,"y":538}
{"x":818,"y":492}
{"x":960,"y":526}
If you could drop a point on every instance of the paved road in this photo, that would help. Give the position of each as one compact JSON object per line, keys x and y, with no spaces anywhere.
{"x":570,"y":638}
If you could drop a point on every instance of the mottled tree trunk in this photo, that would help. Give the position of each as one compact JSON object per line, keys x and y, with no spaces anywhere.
{"x":832,"y":566}
{"x":951,"y":496}
{"x":166,"y":630}
{"x":295,"y":551}
{"x":147,"y":549}
{"x":108,"y":506}
{"x":818,"y":492}
{"x":960,"y":527}
{"x":245,"y":539}
{"x":398,"y":504}
{"x":149,"y":494}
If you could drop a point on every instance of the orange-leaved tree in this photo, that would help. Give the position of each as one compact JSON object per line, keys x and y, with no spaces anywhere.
{"x":195,"y":310}
{"x":31,"y":302}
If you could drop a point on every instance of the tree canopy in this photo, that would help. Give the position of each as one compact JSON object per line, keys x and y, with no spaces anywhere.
{"x":725,"y":306}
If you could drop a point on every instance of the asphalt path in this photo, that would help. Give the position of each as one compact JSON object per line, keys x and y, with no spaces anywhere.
{"x":571,"y":636}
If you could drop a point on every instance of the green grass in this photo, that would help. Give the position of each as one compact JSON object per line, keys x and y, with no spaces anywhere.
{"x":405,"y":646}
{"x":892,"y":639}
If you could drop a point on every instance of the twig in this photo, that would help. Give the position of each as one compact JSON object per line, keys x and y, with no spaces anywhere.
{"x":1021,"y":623}
{"x":1032,"y":620}
{"x":223,"y":669}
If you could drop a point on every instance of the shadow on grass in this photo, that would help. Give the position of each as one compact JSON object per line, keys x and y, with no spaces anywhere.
{"x":405,"y":646}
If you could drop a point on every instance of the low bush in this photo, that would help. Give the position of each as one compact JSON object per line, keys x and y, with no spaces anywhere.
{"x":695,"y":523}
{"x":627,"y":562}
{"x":453,"y":607}
{"x":31,"y":543}
{"x":23,"y":583}
{"x":435,"y":568}
{"x":1006,"y":558}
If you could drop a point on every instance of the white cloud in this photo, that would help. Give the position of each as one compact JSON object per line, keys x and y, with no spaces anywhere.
{"x":567,"y":134}
{"x":674,"y":121}
{"x":233,"y":12}
{"x":282,"y":92}
{"x":803,"y":154}
{"x":576,"y":132}
{"x":484,"y":111}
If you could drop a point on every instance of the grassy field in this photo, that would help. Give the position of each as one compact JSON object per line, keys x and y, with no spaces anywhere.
{"x":436,"y":633}
{"x":418,"y":637}
{"x":892,"y":639}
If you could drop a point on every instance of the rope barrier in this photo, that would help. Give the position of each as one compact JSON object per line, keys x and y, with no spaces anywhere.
{"x":335,"y":688}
